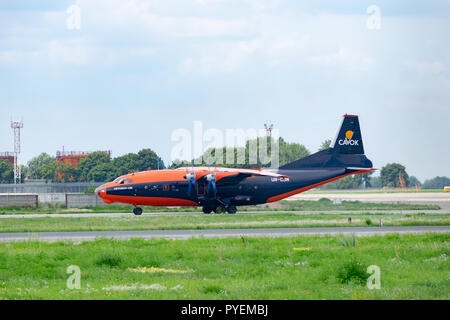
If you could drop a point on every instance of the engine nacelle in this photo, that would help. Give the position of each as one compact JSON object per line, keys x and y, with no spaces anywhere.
{"x":189,"y":176}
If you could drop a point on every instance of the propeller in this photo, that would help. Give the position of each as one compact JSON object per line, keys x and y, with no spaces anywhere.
{"x":190,"y":177}
{"x":211,"y":179}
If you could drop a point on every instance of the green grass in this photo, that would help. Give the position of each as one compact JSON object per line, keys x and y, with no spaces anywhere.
{"x":391,"y":190}
{"x":217,"y":221}
{"x":326,"y":204}
{"x":60,"y":209}
{"x":323,"y":204}
{"x":412,"y":267}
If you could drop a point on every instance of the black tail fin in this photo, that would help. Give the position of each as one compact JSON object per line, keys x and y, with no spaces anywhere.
{"x":348,"y":140}
{"x":346,"y":151}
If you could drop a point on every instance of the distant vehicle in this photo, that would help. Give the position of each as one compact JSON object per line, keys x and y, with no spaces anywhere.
{"x":224,"y":189}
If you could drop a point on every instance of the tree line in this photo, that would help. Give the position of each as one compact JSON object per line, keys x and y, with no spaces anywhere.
{"x":100,"y":167}
{"x":96,"y":167}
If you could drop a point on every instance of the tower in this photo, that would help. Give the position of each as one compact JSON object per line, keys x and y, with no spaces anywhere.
{"x":268,"y":126}
{"x":16,"y":126}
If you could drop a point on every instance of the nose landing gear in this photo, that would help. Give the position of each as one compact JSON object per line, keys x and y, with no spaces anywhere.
{"x":137,"y":211}
{"x":207,"y":210}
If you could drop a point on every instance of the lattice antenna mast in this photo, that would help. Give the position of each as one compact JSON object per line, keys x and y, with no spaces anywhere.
{"x":16,"y":126}
{"x":268,"y":127}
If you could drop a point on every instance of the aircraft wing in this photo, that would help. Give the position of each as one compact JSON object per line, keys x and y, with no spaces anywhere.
{"x":252,"y":172}
{"x":233,"y":174}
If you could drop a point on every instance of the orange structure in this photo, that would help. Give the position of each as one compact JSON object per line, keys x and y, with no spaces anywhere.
{"x":73,"y":158}
{"x":7,"y":156}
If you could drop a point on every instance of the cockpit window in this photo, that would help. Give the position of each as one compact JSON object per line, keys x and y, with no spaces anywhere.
{"x":123,"y":181}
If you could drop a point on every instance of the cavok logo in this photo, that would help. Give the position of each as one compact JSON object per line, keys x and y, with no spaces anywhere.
{"x":348,"y":139}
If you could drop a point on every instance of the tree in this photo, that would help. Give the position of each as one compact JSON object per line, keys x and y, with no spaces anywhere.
{"x":48,"y":171}
{"x":88,"y":163}
{"x":290,"y":152}
{"x":375,"y":182}
{"x":6,"y":172}
{"x":36,"y":165}
{"x":102,"y":172}
{"x":147,"y":158}
{"x":66,"y":172}
{"x":413,"y":182}
{"x":325,"y":145}
{"x":125,"y":164}
{"x":390,"y":175}
{"x":243,"y":157}
{"x":23,"y":173}
{"x":351,"y":182}
{"x":436,"y":183}
{"x":177,"y":163}
{"x":132,"y":162}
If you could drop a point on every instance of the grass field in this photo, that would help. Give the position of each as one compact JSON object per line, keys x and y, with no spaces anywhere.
{"x":308,"y":267}
{"x":387,"y":190}
{"x":218,"y":221}
{"x":323,"y":204}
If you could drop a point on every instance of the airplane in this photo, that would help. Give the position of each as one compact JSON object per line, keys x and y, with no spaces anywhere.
{"x":224,"y":189}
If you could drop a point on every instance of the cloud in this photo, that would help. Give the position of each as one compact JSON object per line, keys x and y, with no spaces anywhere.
{"x":427,"y":67}
{"x":221,"y":57}
{"x":345,"y":57}
{"x":155,"y":17}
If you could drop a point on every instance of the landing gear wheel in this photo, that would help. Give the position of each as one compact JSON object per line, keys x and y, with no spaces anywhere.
{"x":220,"y":209}
{"x":137,"y":211}
{"x":207,"y":210}
{"x":231,"y":209}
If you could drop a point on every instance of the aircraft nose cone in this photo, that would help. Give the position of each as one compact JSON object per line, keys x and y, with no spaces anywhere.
{"x":100,"y":191}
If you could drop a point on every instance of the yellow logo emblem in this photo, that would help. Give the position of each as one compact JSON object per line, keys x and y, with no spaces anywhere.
{"x":349,"y":134}
{"x":348,"y":139}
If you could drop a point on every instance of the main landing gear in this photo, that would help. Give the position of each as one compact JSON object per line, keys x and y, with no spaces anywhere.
{"x":137,"y":211}
{"x":220,"y":209}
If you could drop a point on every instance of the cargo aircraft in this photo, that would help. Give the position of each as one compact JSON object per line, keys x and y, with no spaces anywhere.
{"x":224,"y":189}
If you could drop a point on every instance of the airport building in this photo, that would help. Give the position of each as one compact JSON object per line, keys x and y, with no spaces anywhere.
{"x":7,"y":156}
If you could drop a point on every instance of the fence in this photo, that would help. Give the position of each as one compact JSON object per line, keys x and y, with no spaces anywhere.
{"x":77,"y":200}
{"x":39,"y":188}
{"x":19,"y":200}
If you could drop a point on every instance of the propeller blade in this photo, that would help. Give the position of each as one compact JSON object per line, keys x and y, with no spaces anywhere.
{"x":190,"y":177}
{"x":211,"y":178}
{"x":213,"y":184}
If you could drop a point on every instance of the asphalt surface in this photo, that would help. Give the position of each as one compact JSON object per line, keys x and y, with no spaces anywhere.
{"x":218,"y":233}
{"x":440,"y":198}
{"x":155,"y":214}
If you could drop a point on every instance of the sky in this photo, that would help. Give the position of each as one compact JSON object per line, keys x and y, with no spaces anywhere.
{"x":136,"y":71}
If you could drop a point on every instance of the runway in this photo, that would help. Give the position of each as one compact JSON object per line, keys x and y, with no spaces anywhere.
{"x":187,"y":213}
{"x":440,"y":198}
{"x":218,"y":233}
